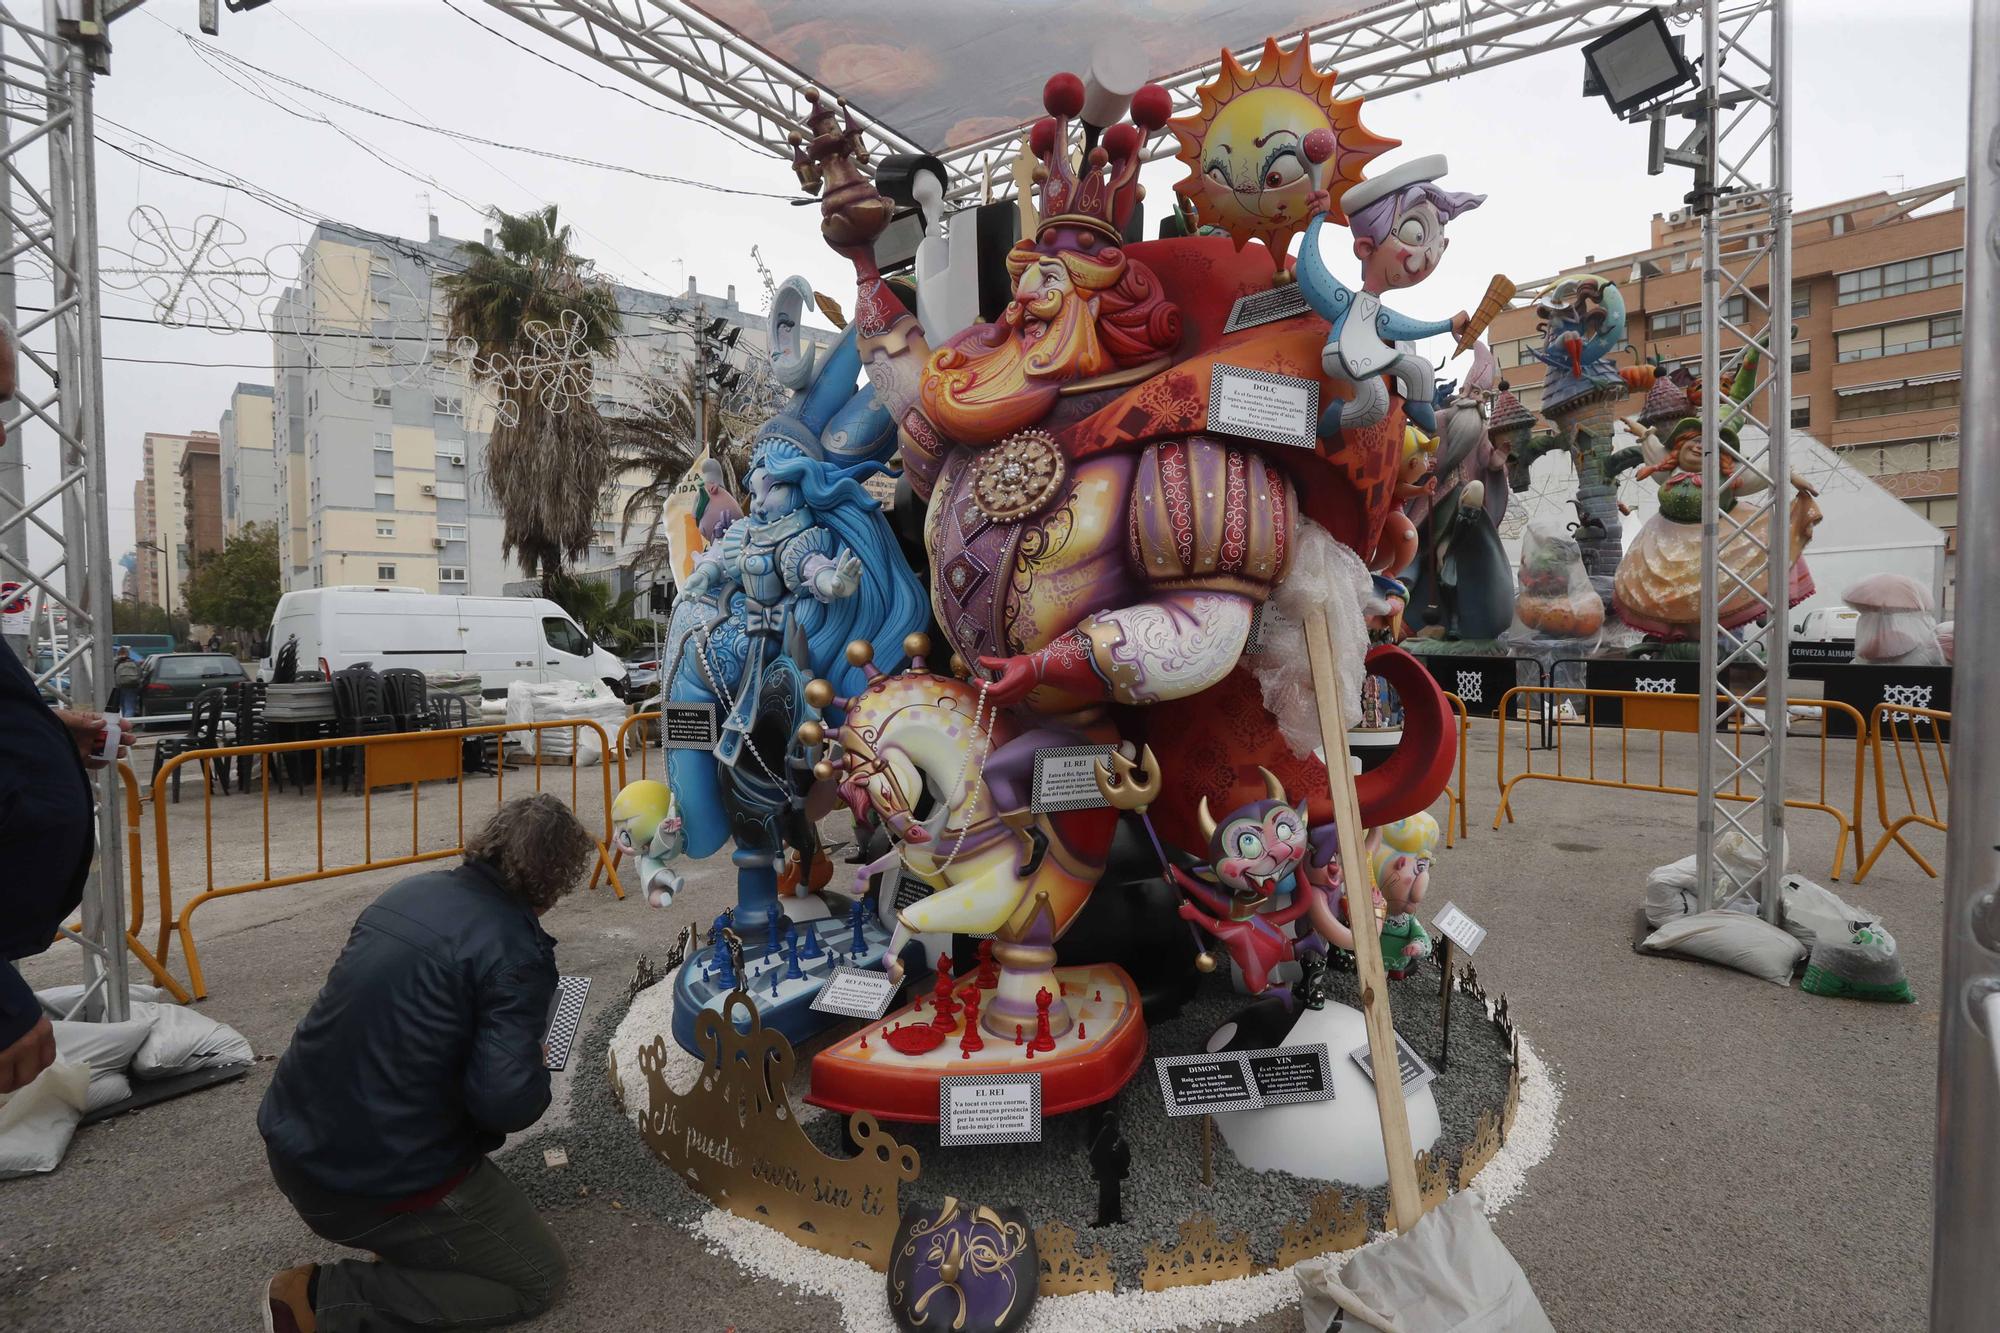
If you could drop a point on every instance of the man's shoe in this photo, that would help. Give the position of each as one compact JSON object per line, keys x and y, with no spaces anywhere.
{"x":287,"y":1307}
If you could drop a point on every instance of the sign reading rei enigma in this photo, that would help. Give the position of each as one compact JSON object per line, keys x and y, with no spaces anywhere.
{"x":734,"y":1137}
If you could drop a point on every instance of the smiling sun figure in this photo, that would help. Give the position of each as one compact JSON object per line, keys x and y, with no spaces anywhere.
{"x":1245,"y":148}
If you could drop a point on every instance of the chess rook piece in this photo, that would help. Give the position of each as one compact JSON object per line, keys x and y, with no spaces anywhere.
{"x":1110,"y":1161}
{"x":941,"y":994}
{"x":1043,"y":1041}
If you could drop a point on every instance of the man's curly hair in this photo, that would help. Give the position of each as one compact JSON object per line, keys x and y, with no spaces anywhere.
{"x":538,"y":847}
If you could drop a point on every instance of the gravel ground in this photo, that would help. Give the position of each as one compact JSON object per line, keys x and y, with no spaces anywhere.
{"x":1731,"y":1154}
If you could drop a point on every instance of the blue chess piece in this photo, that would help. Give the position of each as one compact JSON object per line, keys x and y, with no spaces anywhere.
{"x":792,"y":971}
{"x":771,"y":940}
{"x":856,"y":916}
{"x":725,"y":969}
{"x":812,"y":947}
{"x":716,"y":927}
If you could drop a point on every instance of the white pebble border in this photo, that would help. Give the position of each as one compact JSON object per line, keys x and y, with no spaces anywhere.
{"x":859,"y":1289}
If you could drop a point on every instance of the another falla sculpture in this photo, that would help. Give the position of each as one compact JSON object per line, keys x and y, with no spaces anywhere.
{"x":649,"y":828}
{"x":1459,"y":583}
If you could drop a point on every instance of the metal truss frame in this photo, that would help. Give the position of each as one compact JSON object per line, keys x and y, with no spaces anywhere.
{"x":48,"y":209}
{"x":1743,"y":134}
{"x":672,"y":48}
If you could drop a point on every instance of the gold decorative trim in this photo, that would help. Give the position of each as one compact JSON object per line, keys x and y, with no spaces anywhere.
{"x":1199,"y":1255}
{"x":735,"y":1139}
{"x":1333,"y":1224}
{"x":1484,"y":1147}
{"x":1066,"y":1269}
{"x":1433,"y":1185}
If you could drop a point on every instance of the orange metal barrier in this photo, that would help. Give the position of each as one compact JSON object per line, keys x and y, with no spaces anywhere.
{"x":1663,"y":713}
{"x":624,"y":731}
{"x":1454,"y":810}
{"x":1926,"y":746}
{"x":386,"y":756}
{"x":135,"y":872}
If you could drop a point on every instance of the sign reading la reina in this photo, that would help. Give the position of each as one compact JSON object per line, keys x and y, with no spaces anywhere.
{"x":734,"y":1137}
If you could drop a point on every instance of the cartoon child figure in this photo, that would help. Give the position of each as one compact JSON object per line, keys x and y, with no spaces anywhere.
{"x":649,"y":828}
{"x":1402,"y":864}
{"x":1398,"y":222}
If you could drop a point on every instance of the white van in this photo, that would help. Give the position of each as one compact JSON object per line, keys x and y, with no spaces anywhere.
{"x":501,"y":639}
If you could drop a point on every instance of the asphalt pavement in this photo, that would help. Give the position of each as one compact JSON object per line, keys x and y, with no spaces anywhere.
{"x":1731,"y":1154}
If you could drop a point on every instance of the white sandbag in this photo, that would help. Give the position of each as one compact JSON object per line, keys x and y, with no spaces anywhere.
{"x":38,"y":1121}
{"x":562,"y":701}
{"x":1746,"y":943}
{"x":106,"y":1049}
{"x":106,"y":1090}
{"x":1816,"y":914}
{"x":1674,"y":890}
{"x":184,"y":1040}
{"x":58,"y":1001}
{"x":1451,"y":1274}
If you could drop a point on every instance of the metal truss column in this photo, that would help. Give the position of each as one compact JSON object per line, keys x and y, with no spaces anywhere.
{"x":51,"y":215}
{"x":1965,"y":1281}
{"x":1744,"y":199}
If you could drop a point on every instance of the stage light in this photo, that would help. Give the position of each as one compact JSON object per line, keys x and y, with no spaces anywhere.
{"x":1636,"y":63}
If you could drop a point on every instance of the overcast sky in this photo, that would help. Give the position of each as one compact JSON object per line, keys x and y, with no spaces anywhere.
{"x":1881,"y":102}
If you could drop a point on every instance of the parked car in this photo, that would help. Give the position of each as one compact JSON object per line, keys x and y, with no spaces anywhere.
{"x":170,"y":682}
{"x":56,"y":686}
{"x":642,"y":674}
{"x":499,"y":639}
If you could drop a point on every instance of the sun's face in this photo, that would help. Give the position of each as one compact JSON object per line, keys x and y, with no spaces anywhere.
{"x":1245,"y":147}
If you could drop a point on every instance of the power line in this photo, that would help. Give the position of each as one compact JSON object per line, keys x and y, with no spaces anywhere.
{"x":207,"y":50}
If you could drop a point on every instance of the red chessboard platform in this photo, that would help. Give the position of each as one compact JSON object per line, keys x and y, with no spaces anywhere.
{"x":1096,"y":1057}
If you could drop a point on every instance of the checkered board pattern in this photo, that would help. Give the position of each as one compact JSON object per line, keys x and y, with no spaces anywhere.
{"x":564,"y":1019}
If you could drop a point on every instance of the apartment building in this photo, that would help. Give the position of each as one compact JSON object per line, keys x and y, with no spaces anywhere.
{"x":380,"y":431}
{"x":249,"y":469}
{"x":164,"y":559}
{"x":1877,"y":310}
{"x":201,"y":497}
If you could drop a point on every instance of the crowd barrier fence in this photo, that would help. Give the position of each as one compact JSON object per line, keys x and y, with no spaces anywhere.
{"x":1914,"y":737}
{"x":383,"y":757}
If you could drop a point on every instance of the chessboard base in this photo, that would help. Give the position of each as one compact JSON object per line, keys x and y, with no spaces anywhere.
{"x":787,"y":1006}
{"x":1091,"y":1061}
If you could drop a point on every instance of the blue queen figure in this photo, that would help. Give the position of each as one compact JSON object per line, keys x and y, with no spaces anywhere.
{"x":773,"y":603}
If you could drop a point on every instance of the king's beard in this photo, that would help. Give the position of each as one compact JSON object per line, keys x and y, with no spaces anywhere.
{"x":996,"y":379}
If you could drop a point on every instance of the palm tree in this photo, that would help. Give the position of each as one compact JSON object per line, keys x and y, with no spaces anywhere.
{"x":548,"y":465}
{"x":661,"y":438}
{"x":607,"y":619}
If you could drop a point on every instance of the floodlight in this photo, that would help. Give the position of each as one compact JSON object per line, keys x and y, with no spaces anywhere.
{"x":1636,"y":62}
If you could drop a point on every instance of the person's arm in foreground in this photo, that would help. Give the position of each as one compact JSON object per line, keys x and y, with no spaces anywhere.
{"x":506,"y":1082}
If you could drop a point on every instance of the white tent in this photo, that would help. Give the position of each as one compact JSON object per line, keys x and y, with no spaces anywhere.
{"x":1867,"y":530}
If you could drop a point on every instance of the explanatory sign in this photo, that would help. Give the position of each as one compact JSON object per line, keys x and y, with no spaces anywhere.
{"x":1460,"y":929}
{"x":1066,"y":778}
{"x":1266,"y":307}
{"x":1263,"y":405}
{"x":1207,"y":1084}
{"x":1415,"y":1072}
{"x":989,"y":1108}
{"x":855,"y":992}
{"x":688,"y":726}
{"x":17,"y":611}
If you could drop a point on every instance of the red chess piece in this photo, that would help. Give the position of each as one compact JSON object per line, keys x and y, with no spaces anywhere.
{"x":970,"y":1040}
{"x":941,"y":996}
{"x":1017,"y":1034}
{"x":1043,"y":1041}
{"x":989,"y":971}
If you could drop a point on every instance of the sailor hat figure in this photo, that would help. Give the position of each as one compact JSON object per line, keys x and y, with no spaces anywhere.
{"x":1398,"y":222}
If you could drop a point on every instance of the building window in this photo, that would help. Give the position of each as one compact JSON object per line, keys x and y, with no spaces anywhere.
{"x":381,"y":397}
{"x":1801,"y":300}
{"x":1687,"y":319}
{"x":451,"y":573}
{"x":384,"y":442}
{"x":1909,"y":275}
{"x":385,"y":572}
{"x":1912,"y":335}
{"x":1801,"y":358}
{"x":385,"y":485}
{"x":1897,"y":398}
{"x":1801,"y":413}
{"x":452,"y":532}
{"x":385,"y":527}
{"x":446,"y":406}
{"x":451,"y":490}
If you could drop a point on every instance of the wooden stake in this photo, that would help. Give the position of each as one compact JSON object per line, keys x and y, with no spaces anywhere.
{"x":1405,"y":1204}
{"x":1208,"y":1151}
{"x":1444,"y":1003}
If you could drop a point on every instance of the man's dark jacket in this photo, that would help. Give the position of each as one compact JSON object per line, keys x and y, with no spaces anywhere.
{"x":46,"y":835}
{"x":424,"y":1050}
